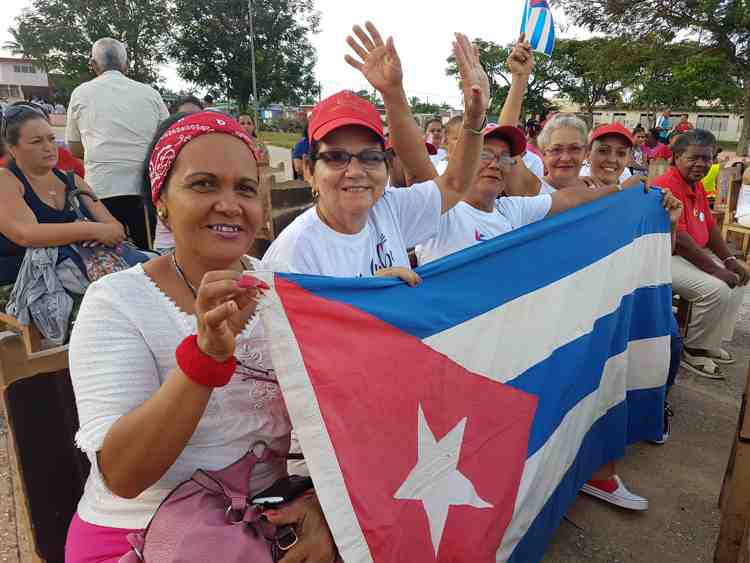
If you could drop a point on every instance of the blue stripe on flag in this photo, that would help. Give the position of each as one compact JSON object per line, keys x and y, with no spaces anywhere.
{"x":602,"y":443}
{"x":587,"y":355}
{"x":538,"y":255}
{"x":525,"y":19}
{"x":550,"y":46}
{"x":648,"y":423}
{"x":541,"y":23}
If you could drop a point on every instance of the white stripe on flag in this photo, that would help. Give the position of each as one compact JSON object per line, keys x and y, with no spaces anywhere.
{"x":542,"y":45}
{"x":531,"y":23}
{"x":311,"y":430}
{"x":575,"y":302}
{"x":546,"y":468}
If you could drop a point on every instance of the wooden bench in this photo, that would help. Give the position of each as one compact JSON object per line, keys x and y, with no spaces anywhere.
{"x":29,"y":333}
{"x":282,"y":203}
{"x":47,"y":470}
{"x":732,"y":545}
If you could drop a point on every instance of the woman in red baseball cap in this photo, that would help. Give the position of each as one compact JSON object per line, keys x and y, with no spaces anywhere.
{"x":358,"y":227}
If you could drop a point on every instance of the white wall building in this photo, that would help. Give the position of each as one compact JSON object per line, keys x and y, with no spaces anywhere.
{"x":20,"y":79}
{"x":726,"y":126}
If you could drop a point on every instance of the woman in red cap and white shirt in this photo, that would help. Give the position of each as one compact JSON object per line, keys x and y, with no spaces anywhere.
{"x":358,"y":227}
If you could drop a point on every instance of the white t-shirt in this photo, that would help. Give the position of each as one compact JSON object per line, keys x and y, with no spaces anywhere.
{"x":534,"y":164}
{"x":402,"y":218}
{"x":465,"y":226}
{"x":586,"y":171}
{"x":115,"y":119}
{"x":121,"y":351}
{"x":545,"y":188}
{"x":743,"y":202}
{"x":441,"y":154}
{"x":441,"y":166}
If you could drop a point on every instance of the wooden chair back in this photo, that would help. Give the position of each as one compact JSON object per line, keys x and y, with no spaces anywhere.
{"x":656,"y":169}
{"x":731,"y":226}
{"x":47,"y":471}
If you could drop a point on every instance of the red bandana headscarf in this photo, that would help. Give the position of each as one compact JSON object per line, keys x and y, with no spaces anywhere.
{"x":180,"y":133}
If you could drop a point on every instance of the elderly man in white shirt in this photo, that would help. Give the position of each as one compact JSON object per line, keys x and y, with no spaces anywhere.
{"x":111,"y":122}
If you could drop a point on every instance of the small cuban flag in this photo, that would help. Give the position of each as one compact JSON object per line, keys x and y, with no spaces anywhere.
{"x":539,"y":26}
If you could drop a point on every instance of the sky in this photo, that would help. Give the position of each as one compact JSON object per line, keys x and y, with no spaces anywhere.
{"x":422,"y":31}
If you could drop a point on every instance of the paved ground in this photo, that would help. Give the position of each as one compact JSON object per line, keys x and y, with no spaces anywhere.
{"x":681,"y":479}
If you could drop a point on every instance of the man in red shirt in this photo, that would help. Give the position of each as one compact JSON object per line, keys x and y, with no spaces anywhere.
{"x":704,"y":271}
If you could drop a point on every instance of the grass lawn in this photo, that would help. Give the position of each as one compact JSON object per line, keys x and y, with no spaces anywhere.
{"x":728,"y":146}
{"x":287,"y":140}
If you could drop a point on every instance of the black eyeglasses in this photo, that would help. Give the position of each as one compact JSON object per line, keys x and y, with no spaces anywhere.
{"x":339,"y":159}
{"x":15,"y":111}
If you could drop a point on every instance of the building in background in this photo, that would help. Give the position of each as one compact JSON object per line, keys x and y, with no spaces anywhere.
{"x":725,"y":125}
{"x":21,"y":80}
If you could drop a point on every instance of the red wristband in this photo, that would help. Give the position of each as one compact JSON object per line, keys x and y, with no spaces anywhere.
{"x":201,"y":368}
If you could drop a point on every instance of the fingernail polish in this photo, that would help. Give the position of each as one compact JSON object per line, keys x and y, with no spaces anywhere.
{"x":247,"y":282}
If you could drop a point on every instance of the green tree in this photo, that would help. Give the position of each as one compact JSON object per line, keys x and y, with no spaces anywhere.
{"x":418,"y":106}
{"x":720,"y":27}
{"x":492,"y":56}
{"x":58,"y":34}
{"x":592,"y":71}
{"x":211,"y":43}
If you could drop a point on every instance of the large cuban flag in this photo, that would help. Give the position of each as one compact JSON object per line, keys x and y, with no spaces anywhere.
{"x":539,"y":26}
{"x":456,"y":421}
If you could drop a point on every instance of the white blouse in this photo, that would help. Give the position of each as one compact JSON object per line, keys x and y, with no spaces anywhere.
{"x":121,"y":351}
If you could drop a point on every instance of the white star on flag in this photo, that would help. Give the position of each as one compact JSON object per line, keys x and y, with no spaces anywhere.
{"x":436,"y":480}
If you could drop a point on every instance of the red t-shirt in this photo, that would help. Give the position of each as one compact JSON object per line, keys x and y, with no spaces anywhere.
{"x":65,"y":161}
{"x":696,"y":220}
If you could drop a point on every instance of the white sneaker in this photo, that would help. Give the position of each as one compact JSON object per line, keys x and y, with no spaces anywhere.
{"x":614,"y":491}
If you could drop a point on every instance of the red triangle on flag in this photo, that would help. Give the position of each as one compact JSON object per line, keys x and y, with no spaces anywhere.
{"x":396,"y":411}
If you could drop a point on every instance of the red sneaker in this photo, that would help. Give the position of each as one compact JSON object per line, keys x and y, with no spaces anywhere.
{"x":614,"y":491}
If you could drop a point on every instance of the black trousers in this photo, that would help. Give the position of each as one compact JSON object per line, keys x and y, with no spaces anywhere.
{"x":130,"y":211}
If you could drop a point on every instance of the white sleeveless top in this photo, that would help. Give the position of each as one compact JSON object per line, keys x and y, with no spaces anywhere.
{"x":121,"y":350}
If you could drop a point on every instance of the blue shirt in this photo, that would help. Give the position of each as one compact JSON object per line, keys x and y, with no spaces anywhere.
{"x":301,"y":148}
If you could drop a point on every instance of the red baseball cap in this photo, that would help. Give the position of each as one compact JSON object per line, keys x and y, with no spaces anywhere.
{"x":612,"y":129}
{"x":340,"y":110}
{"x":510,"y":134}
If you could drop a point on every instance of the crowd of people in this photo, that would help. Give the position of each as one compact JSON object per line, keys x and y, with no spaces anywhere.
{"x":181,"y":378}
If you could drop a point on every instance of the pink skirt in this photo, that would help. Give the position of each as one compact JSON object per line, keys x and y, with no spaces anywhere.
{"x":89,"y":543}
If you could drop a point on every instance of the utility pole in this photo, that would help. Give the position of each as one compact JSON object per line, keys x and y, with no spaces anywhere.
{"x":252,"y":60}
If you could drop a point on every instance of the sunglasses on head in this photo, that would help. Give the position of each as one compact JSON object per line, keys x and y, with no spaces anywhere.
{"x":15,"y":111}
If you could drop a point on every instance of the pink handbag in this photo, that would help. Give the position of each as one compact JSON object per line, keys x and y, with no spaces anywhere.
{"x":209,"y":518}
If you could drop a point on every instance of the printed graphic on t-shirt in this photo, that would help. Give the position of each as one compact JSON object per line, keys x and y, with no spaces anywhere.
{"x":480,"y":236}
{"x":384,"y":257}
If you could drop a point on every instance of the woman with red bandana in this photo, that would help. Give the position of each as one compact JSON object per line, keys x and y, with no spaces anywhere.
{"x":173,"y":385}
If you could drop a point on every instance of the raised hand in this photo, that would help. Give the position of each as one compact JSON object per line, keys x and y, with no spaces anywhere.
{"x":226,"y":299}
{"x":378,"y":61}
{"x":474,"y":81}
{"x":521,"y":58}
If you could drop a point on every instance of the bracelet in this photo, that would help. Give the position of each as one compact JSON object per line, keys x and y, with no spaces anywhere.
{"x":729,"y":259}
{"x":479,"y":131}
{"x":201,"y":368}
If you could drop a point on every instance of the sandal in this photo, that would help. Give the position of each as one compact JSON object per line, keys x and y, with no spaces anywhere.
{"x":721,"y":356}
{"x":704,"y":366}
